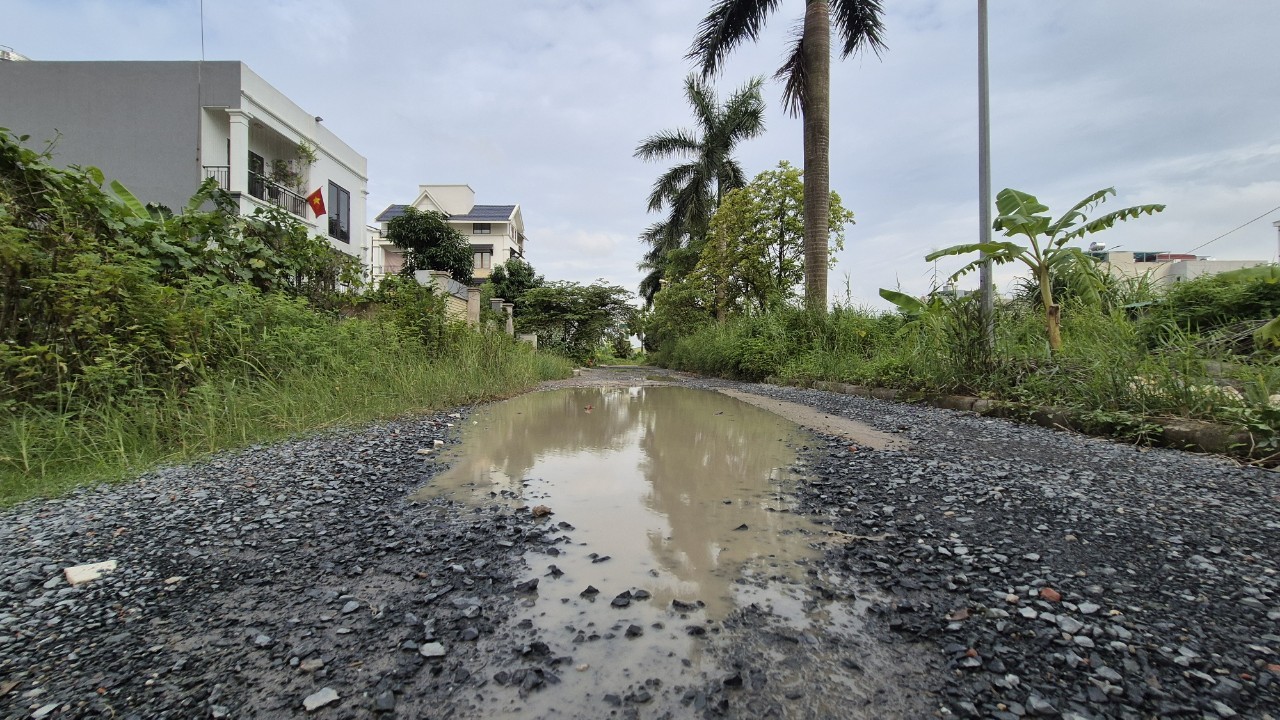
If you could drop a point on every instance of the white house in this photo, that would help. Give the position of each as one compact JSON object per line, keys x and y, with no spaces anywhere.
{"x":161,"y":128}
{"x":496,"y":232}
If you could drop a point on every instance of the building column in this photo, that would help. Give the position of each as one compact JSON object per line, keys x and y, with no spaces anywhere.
{"x":473,"y":306}
{"x":509,"y":309}
{"x":238,"y":162}
{"x":495,"y":304}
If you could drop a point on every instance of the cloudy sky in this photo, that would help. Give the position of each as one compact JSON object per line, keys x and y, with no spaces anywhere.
{"x":542,"y":102}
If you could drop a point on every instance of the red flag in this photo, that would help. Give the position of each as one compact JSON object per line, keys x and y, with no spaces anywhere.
{"x":316,"y":201}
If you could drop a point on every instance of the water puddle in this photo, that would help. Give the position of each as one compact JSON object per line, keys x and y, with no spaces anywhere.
{"x":679,"y":497}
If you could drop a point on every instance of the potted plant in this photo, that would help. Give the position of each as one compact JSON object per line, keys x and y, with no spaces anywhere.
{"x":291,"y":173}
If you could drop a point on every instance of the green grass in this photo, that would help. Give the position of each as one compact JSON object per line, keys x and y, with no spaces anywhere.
{"x":367,"y":372}
{"x":1107,"y":367}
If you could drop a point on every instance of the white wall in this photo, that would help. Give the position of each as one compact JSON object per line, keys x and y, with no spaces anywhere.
{"x":452,"y":199}
{"x":337,"y":162}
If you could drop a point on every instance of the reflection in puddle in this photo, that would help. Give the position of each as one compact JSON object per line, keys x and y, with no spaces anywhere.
{"x":686,"y":493}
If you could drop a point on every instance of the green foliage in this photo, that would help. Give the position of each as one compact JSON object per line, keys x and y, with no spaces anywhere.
{"x":574,"y":319}
{"x":430,"y":243}
{"x":1211,"y":302}
{"x":129,"y":335}
{"x":755,"y":253}
{"x":512,"y":279}
{"x":100,"y":295}
{"x":677,"y":311}
{"x":418,"y":311}
{"x":690,"y":192}
{"x":1048,"y":252}
{"x":351,"y":371}
{"x":1104,"y":369}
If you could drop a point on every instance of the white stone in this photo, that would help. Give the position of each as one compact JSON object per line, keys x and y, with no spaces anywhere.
{"x":319,"y":699}
{"x":431,"y":650}
{"x":80,"y":574}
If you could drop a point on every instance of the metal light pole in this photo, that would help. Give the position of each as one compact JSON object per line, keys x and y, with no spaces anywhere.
{"x":1276,"y":225}
{"x":984,"y":177}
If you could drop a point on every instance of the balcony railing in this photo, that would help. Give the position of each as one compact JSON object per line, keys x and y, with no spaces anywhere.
{"x":220,"y":173}
{"x":264,"y":189}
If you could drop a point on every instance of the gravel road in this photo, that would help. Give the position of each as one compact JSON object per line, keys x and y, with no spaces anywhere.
{"x":1008,"y":571}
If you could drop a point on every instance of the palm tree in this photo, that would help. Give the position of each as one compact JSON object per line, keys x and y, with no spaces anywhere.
{"x":806,"y":75}
{"x":691,"y":191}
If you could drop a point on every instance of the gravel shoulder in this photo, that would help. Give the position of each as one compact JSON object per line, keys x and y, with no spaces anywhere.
{"x":1009,"y":570}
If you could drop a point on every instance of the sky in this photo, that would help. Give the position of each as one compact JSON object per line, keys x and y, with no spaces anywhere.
{"x":542,"y":103}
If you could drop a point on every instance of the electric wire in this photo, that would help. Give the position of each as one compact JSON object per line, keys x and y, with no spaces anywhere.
{"x":1241,"y":227}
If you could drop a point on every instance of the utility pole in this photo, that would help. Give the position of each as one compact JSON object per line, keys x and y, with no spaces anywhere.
{"x":984,"y":178}
{"x":1276,"y":225}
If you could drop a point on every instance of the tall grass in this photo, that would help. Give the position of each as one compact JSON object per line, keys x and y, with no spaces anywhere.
{"x":350,"y":372}
{"x":1107,"y":366}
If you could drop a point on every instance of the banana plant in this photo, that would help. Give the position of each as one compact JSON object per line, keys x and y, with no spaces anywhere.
{"x":1021,"y":214}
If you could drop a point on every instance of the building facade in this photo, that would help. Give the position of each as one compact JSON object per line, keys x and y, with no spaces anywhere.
{"x":496,"y":232}
{"x":162,"y":128}
{"x":1162,"y":267}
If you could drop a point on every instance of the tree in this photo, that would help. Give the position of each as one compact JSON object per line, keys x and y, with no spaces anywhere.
{"x":512,"y":279}
{"x":1021,"y":214}
{"x":806,"y":74}
{"x":755,"y":253}
{"x":691,"y":191}
{"x":576,"y":319}
{"x":430,"y":243}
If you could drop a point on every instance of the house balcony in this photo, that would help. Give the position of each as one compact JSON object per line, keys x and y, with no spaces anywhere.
{"x":262,"y":188}
{"x":220,"y":173}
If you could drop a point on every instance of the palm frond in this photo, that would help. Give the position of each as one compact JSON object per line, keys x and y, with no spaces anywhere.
{"x":668,"y":143}
{"x":727,"y":24}
{"x":702,"y":98}
{"x":743,"y":113}
{"x":792,"y":75}
{"x":859,"y":24}
{"x":671,"y":184}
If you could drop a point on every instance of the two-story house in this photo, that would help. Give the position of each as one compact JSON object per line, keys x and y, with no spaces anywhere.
{"x":162,"y":128}
{"x":496,"y":232}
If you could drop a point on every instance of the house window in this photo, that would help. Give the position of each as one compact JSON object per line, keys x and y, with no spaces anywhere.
{"x":339,"y":213}
{"x":483,"y":260}
{"x":481,"y":228}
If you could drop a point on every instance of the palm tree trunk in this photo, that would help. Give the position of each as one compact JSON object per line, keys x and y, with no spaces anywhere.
{"x":817,"y":147}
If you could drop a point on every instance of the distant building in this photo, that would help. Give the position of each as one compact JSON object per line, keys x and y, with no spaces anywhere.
{"x":9,"y":54}
{"x":496,"y":232}
{"x":1165,"y":267}
{"x":162,"y":128}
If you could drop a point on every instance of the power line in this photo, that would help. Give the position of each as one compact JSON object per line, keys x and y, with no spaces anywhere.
{"x":1241,"y":227}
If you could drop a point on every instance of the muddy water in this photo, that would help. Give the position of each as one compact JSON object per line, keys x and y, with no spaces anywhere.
{"x":675,"y":492}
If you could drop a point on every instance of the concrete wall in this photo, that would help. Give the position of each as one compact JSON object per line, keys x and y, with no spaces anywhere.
{"x":140,"y":122}
{"x":1192,"y":269}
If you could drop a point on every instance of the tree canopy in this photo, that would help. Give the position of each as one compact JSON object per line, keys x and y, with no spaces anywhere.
{"x":755,"y":254}
{"x":577,"y":319}
{"x":430,"y":243}
{"x":514,"y":278}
